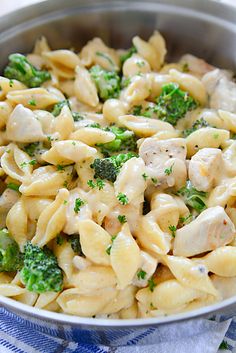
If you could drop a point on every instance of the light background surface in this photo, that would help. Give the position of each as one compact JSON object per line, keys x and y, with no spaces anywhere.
{"x":10,"y":5}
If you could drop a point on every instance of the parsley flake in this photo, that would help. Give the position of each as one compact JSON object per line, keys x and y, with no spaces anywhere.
{"x":145,"y":176}
{"x":122,"y":198}
{"x":78,"y":203}
{"x":32,"y":102}
{"x":91,"y":184}
{"x":122,"y":219}
{"x":60,"y":167}
{"x":141,"y":274}
{"x":13,"y":186}
{"x":33,"y":162}
{"x":173,"y":230}
{"x":224,"y":345}
{"x":168,"y":171}
{"x":151,"y":284}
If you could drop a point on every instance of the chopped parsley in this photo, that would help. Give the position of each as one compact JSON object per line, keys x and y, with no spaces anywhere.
{"x":33,"y":162}
{"x":154,"y":180}
{"x":224,"y":345}
{"x":168,"y":171}
{"x":32,"y":102}
{"x":141,"y":274}
{"x":151,"y":284}
{"x":60,"y":167}
{"x":99,"y":183}
{"x":122,"y":219}
{"x":78,"y":203}
{"x":185,"y":219}
{"x":95,"y":125}
{"x":122,"y":198}
{"x":23,"y":165}
{"x":145,"y":176}
{"x":91,"y":184}
{"x":108,"y":250}
{"x":13,"y":186}
{"x":173,"y":230}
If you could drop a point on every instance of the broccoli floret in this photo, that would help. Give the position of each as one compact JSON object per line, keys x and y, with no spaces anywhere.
{"x":192,"y":197}
{"x":200,"y":123}
{"x":127,"y":55}
{"x":10,"y":256}
{"x":125,"y":141}
{"x":40,"y":272}
{"x":109,"y":168}
{"x":107,"y":82}
{"x":58,"y":107}
{"x":20,"y":69}
{"x":171,"y":105}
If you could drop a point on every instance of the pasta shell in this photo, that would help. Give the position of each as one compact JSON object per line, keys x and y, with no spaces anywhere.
{"x":40,"y":97}
{"x":144,"y":127}
{"x":52,"y":220}
{"x":67,"y":152}
{"x":72,"y":302}
{"x":94,"y":242}
{"x":23,"y":126}
{"x":46,"y":181}
{"x":125,"y":257}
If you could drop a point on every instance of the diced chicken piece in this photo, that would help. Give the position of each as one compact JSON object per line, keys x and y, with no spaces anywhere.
{"x":204,"y":168}
{"x":222,"y":90}
{"x":195,"y":65}
{"x":165,"y":160}
{"x":212,"y":229}
{"x":152,"y":148}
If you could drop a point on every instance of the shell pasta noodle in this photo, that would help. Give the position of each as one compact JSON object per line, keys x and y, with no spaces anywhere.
{"x":118,"y":180}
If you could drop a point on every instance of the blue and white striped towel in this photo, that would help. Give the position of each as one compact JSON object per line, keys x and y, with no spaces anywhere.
{"x":20,"y":335}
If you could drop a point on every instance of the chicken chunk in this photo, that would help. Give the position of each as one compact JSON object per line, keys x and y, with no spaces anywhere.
{"x":165,"y":160}
{"x":204,"y":168}
{"x":221,"y":89}
{"x":212,"y":229}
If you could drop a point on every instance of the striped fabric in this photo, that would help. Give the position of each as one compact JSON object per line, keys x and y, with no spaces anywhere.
{"x":19,"y":335}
